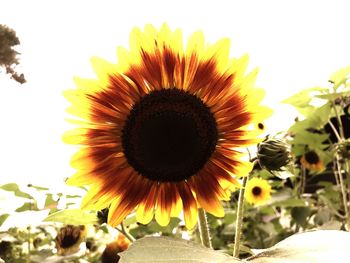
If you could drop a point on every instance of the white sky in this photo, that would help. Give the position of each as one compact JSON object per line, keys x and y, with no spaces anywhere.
{"x":296,"y":44}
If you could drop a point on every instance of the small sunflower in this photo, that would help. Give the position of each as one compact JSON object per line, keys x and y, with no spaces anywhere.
{"x":261,"y":126}
{"x":110,"y":254}
{"x":312,"y":161}
{"x":160,"y":130}
{"x":69,"y":239}
{"x":258,"y":191}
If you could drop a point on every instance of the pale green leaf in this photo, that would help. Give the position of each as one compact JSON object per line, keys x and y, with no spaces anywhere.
{"x":39,"y":188}
{"x":300,"y":100}
{"x":315,"y":119}
{"x":27,"y":207}
{"x":73,"y":196}
{"x":313,"y":140}
{"x":322,"y":246}
{"x":292,"y":202}
{"x":12,"y":187}
{"x":340,"y":76}
{"x":3,"y":217}
{"x":307,"y":110}
{"x":129,"y":220}
{"x":169,"y":250}
{"x":303,"y":98}
{"x":50,"y":202}
{"x":333,"y":96}
{"x":73,"y":217}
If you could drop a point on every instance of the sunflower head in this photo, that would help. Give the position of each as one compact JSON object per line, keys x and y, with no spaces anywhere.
{"x":5,"y":249}
{"x":258,"y":191}
{"x":102,"y":216}
{"x":161,"y":130}
{"x":110,"y":254}
{"x":273,"y":154}
{"x":69,"y":239}
{"x":312,"y":161}
{"x":261,"y":126}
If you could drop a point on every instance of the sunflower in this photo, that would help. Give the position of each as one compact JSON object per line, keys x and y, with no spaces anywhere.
{"x":257,"y":191}
{"x":69,"y":239}
{"x":160,"y":130}
{"x":260,"y":126}
{"x":312,"y":161}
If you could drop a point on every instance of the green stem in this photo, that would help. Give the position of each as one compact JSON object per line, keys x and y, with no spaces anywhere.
{"x":344,"y":194}
{"x":344,"y":188}
{"x":126,"y":233}
{"x":302,"y":182}
{"x":340,"y":124}
{"x":204,"y":228}
{"x":335,"y":131}
{"x":29,"y":246}
{"x":239,"y":219}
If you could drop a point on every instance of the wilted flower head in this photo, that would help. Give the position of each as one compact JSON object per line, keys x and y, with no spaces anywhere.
{"x":5,"y":249}
{"x":102,"y":216}
{"x":110,"y":254}
{"x":273,"y":154}
{"x":69,"y":239}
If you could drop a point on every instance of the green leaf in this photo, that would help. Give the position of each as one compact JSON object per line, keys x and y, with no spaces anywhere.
{"x":39,"y":188}
{"x":3,"y":218}
{"x":27,"y":207}
{"x":292,"y":202}
{"x":73,"y":196}
{"x":322,"y":246}
{"x":322,"y":216}
{"x":313,"y":140}
{"x":73,"y":217}
{"x":169,"y":250}
{"x":340,"y":76}
{"x":12,"y":187}
{"x":332,"y":96}
{"x":50,"y":202}
{"x":300,"y":214}
{"x":303,"y":98}
{"x":129,"y":220}
{"x":315,"y":119}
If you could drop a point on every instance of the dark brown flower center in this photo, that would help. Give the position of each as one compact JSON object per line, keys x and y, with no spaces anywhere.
{"x":256,"y":190}
{"x":312,"y":157}
{"x":169,"y":135}
{"x":69,"y":241}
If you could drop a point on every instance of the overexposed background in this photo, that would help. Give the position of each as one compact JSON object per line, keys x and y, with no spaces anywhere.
{"x":296,"y":44}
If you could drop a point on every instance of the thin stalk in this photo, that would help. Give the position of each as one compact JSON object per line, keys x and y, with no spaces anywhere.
{"x":344,"y":194}
{"x":336,"y":175}
{"x":203,"y":227}
{"x":335,"y":131}
{"x":29,"y":232}
{"x":126,"y":233}
{"x":302,"y":181}
{"x":340,"y":124}
{"x":344,"y":188}
{"x":239,"y":219}
{"x":29,"y":246}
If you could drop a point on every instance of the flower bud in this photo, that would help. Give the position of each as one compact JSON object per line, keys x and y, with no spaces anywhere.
{"x":273,"y":154}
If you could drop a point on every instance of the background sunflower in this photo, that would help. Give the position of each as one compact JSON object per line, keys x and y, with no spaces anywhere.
{"x":312,"y":161}
{"x":258,"y":191}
